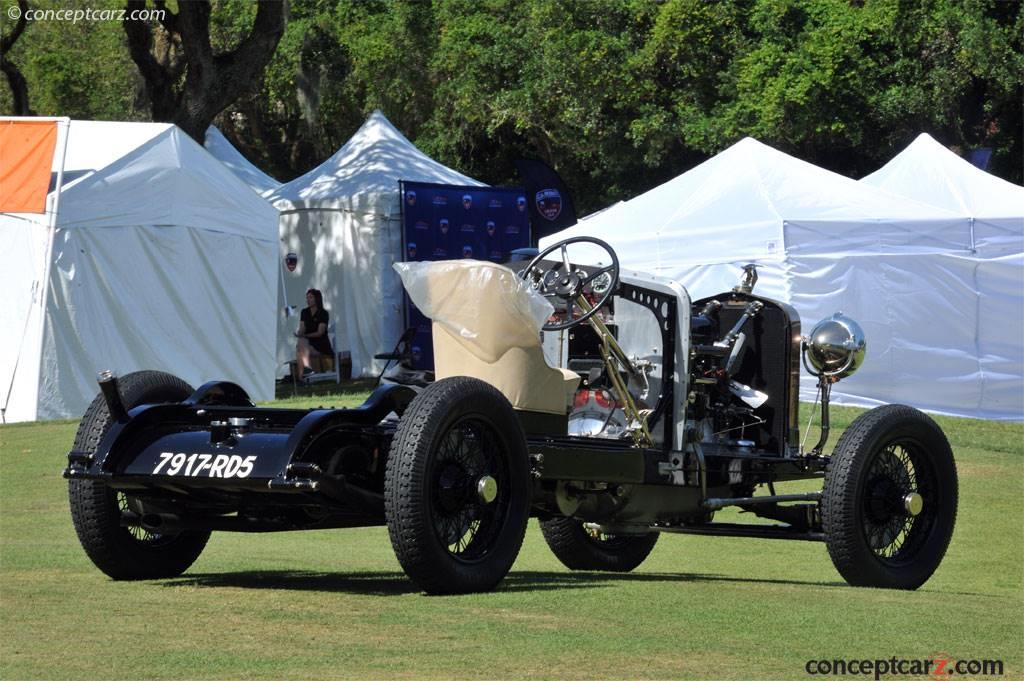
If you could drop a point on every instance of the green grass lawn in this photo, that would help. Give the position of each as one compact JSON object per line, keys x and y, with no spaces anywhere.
{"x":335,"y":604}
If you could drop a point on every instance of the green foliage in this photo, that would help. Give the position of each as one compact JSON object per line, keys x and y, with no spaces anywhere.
{"x":847,"y":85}
{"x":77,"y":69}
{"x":618,"y":95}
{"x":546,"y":79}
{"x":230,"y":22}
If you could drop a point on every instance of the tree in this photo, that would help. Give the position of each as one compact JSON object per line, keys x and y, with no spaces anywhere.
{"x":551,"y":79}
{"x":186,"y":82}
{"x":618,"y":95}
{"x":77,"y":69}
{"x":847,"y":85}
{"x":17,"y":82}
{"x":621,"y":95}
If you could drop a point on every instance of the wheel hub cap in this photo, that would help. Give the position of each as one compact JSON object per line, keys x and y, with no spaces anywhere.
{"x":487,"y":489}
{"x":913,"y":503}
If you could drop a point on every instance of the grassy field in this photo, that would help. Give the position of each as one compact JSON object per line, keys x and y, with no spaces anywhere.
{"x":335,"y":604}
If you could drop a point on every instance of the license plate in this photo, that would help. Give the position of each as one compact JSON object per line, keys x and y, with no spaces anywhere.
{"x":204,"y":465}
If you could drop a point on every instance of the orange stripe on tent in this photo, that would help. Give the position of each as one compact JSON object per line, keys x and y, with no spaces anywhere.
{"x":26,"y":160}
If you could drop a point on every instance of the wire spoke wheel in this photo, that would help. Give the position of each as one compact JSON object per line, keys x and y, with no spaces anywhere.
{"x":457,"y":487}
{"x":465,"y":523}
{"x":892,"y":532}
{"x":889,"y":504}
{"x":140,"y":534}
{"x":581,"y":548}
{"x":127,"y":552}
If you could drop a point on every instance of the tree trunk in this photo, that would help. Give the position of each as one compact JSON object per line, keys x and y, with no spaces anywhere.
{"x":179,"y":48}
{"x":19,"y":87}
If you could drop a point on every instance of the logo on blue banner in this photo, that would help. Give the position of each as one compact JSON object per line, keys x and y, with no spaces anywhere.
{"x":549,"y":203}
{"x":451,"y":221}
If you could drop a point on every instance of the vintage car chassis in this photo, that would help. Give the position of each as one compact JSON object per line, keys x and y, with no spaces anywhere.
{"x":212,"y":461}
{"x":218,"y":420}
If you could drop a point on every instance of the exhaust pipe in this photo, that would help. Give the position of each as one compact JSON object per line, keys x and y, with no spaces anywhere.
{"x":160,"y":523}
{"x":112,"y":396}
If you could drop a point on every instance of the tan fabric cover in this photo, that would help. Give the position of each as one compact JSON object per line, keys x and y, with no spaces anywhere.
{"x":486,"y":326}
{"x":484,"y":305}
{"x":521,"y":374}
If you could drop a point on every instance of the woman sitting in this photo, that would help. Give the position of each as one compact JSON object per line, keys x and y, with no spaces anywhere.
{"x":312,"y":334}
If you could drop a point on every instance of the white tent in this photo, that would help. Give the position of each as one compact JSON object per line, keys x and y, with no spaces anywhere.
{"x":343,"y":220}
{"x":159,"y":258}
{"x":225,"y":152}
{"x":928,"y":172}
{"x":903,"y":269}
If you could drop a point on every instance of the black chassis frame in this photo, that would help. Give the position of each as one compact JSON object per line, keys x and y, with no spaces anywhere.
{"x":290,"y":487}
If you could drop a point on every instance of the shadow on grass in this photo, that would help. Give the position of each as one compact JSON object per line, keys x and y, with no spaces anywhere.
{"x":368,"y":583}
{"x":397,"y":584}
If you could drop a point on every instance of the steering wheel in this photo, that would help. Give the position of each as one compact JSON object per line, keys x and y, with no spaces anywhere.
{"x":562,"y":283}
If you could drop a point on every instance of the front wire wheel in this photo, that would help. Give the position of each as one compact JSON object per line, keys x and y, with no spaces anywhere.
{"x":457,"y":487}
{"x":899,"y":506}
{"x":890,"y":499}
{"x":468,"y":458}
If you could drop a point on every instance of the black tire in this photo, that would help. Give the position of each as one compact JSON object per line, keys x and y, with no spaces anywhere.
{"x":447,"y":539}
{"x":578,"y":550}
{"x":127,"y":552}
{"x":886,"y":454}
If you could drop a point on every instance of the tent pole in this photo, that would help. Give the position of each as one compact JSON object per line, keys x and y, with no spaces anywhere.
{"x":280,"y":272}
{"x":43,"y":288}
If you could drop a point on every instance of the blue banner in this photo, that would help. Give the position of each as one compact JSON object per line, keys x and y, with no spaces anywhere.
{"x":449,"y":222}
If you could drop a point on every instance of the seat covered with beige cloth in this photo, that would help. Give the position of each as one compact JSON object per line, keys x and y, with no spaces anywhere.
{"x":486,"y":324}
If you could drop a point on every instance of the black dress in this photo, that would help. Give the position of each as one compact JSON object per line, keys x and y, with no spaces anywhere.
{"x":312,"y":322}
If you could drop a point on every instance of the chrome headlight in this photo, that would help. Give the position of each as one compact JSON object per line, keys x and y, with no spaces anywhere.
{"x":835,"y":347}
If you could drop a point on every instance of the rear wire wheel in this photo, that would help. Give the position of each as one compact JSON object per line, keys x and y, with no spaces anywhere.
{"x":457,"y":493}
{"x":96,"y":509}
{"x":127,"y":504}
{"x":580,"y":549}
{"x":890,"y":499}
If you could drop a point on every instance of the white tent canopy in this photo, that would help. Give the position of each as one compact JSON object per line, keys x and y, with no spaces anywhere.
{"x":928,"y":172}
{"x":225,"y":152}
{"x":901,"y":268}
{"x":160,"y":259}
{"x":343,"y":220}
